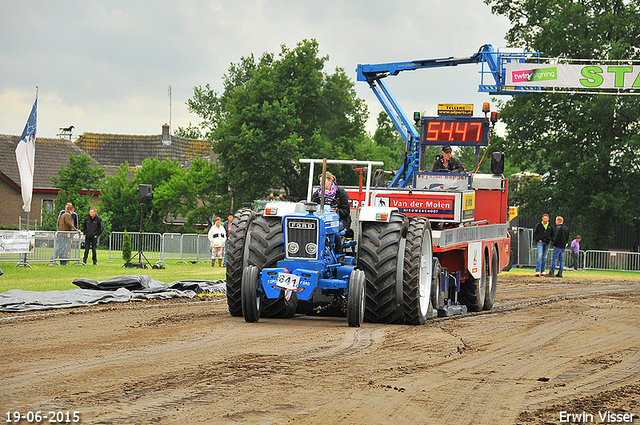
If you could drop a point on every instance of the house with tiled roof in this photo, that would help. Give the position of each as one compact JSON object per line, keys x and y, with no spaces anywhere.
{"x":108,"y":151}
{"x":111,"y":150}
{"x":51,"y":154}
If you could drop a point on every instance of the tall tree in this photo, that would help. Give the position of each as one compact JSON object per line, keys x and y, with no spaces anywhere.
{"x":389,"y":141}
{"x":274,"y":111}
{"x":172,"y":196}
{"x":120,"y":198}
{"x":195,"y":194}
{"x":192,"y":193}
{"x":586,"y":147}
{"x":189,"y":132}
{"x":211,"y":195}
{"x":158,"y":211}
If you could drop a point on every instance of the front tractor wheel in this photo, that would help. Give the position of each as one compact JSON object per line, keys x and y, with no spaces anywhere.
{"x":418,"y":272}
{"x":381,"y":248}
{"x":250,"y":295}
{"x":237,"y":251}
{"x":356,"y":298}
{"x":266,"y":248}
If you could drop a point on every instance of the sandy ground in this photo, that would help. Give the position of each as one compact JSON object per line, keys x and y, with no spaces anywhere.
{"x":550,"y":347}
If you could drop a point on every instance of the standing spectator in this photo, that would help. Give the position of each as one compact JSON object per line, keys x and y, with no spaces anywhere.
{"x":92,"y":229}
{"x":65,"y":225}
{"x":217,"y":237}
{"x":543,"y":235}
{"x":575,"y":251}
{"x":560,"y":241}
{"x":227,"y":228}
{"x":74,"y":215}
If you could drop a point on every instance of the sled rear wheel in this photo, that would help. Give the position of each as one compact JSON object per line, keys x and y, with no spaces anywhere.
{"x":418,"y":272}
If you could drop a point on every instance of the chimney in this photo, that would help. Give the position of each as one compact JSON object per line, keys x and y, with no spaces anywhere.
{"x":166,"y":137}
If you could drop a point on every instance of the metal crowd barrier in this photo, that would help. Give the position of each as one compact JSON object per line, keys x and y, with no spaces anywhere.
{"x":52,"y":247}
{"x":165,"y":247}
{"x":172,"y":247}
{"x":151,"y":245}
{"x":567,"y":258}
{"x":189,"y":251}
{"x":596,"y":260}
{"x":612,"y":260}
{"x":204,"y":249}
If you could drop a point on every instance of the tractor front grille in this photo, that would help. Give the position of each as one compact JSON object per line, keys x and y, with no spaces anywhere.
{"x":301,"y":238}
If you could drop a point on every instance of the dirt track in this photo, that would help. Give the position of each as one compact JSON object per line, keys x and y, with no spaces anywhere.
{"x":548,"y":346}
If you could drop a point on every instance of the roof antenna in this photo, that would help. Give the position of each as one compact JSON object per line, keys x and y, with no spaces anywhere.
{"x":169,"y":108}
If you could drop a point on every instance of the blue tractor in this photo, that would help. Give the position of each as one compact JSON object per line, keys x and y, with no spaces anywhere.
{"x":283,"y":261}
{"x":310,"y":264}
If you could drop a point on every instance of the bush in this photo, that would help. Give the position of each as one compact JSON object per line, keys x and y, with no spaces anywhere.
{"x":126,"y":247}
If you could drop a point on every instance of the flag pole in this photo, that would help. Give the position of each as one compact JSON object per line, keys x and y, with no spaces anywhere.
{"x":26,"y":165}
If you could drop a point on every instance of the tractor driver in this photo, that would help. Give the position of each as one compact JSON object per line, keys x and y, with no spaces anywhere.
{"x":339,"y":201}
{"x":447,"y":162}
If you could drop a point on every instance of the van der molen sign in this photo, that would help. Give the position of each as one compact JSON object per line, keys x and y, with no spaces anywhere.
{"x":596,"y":76}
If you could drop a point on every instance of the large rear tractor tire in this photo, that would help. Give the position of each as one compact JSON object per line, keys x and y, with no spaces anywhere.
{"x":266,"y":248}
{"x":381,"y":247}
{"x":418,"y":272}
{"x":250,"y":297}
{"x":492,"y":279}
{"x":237,"y":243}
{"x":356,"y":298}
{"x":473,"y":292}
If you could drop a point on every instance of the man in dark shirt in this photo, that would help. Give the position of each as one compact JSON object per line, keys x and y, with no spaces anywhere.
{"x":448,"y":163}
{"x":92,"y":229}
{"x":542,"y":235}
{"x":560,"y":241}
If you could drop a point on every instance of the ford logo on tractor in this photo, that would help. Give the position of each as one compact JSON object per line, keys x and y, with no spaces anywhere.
{"x":302,"y":225}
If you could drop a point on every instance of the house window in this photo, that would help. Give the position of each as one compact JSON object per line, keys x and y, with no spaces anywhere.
{"x":47,"y":205}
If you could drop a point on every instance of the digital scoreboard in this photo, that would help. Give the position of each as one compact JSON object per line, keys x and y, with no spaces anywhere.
{"x":458,"y":130}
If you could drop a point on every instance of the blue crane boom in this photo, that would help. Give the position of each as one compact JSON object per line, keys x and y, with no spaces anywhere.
{"x":374,"y":75}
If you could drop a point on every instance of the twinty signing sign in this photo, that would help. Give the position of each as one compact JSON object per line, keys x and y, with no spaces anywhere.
{"x":596,"y":76}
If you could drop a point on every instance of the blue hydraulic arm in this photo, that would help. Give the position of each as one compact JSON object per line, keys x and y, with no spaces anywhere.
{"x":375,"y":72}
{"x":374,"y":75}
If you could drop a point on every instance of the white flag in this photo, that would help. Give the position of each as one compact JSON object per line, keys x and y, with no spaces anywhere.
{"x":26,"y":155}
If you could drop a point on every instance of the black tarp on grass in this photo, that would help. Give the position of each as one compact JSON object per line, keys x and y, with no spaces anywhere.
{"x":116,"y":289}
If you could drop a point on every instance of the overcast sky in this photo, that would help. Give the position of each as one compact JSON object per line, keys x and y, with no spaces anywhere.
{"x":106,"y":66}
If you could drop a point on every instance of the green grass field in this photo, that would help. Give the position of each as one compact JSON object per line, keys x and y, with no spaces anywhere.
{"x":53,"y":278}
{"x":605,"y":274}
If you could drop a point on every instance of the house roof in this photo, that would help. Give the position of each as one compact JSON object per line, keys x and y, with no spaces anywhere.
{"x":50,"y":155}
{"x":115,"y":149}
